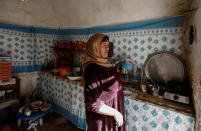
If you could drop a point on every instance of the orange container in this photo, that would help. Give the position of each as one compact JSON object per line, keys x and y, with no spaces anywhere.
{"x":64,"y":70}
{"x":5,"y":70}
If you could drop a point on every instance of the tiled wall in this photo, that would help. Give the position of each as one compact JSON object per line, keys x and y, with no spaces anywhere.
{"x":27,"y":50}
{"x":29,"y":46}
{"x":138,"y":45}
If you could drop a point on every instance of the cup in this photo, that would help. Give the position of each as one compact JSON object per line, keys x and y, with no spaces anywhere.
{"x":155,"y":92}
{"x":143,"y":88}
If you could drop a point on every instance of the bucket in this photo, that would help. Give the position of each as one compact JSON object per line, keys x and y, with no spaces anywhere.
{"x":64,"y":70}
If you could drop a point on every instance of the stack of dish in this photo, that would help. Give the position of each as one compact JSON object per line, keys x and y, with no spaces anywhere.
{"x":54,"y":71}
{"x":127,"y":93}
{"x":45,"y":107}
{"x":36,"y":105}
{"x":74,"y":78}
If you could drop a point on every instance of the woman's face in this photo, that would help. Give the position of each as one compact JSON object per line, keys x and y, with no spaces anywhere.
{"x":104,"y":47}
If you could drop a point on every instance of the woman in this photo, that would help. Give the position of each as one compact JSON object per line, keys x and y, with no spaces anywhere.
{"x":104,"y":98}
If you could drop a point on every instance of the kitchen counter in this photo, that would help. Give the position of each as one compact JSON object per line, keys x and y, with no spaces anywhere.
{"x":186,"y":109}
{"x":179,"y":107}
{"x":142,"y":111}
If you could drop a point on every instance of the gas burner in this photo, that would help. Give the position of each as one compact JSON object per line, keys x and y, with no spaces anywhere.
{"x":176,"y":97}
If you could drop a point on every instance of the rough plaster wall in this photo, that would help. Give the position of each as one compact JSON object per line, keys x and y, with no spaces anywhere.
{"x":192,"y":55}
{"x":86,"y":13}
{"x":28,"y":13}
{"x":105,"y":12}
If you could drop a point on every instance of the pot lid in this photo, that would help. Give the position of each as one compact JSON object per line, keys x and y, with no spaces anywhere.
{"x":163,"y":67}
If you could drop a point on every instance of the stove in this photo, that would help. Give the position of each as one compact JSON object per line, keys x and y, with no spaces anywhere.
{"x":176,"y":97}
{"x":177,"y":92}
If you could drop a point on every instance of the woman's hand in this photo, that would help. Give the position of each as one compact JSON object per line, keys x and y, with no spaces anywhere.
{"x":118,"y":118}
{"x":106,"y":110}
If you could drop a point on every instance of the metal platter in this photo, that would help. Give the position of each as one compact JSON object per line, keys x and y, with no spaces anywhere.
{"x":164,"y":67}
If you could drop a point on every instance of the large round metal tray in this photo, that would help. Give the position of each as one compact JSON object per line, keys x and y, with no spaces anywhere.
{"x":164,"y":67}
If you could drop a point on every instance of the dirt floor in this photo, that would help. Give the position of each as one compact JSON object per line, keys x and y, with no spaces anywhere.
{"x":51,"y":122}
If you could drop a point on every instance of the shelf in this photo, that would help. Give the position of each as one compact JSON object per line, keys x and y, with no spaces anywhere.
{"x":7,"y":87}
{"x":15,"y":87}
{"x":8,"y":102}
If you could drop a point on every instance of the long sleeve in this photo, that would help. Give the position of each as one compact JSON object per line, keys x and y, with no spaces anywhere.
{"x":103,"y":98}
{"x":98,"y":88}
{"x":92,"y":90}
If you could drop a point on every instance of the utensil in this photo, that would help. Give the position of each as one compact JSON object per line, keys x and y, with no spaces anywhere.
{"x":143,"y":88}
{"x":127,"y":93}
{"x":36,"y":104}
{"x":74,"y":78}
{"x":45,"y":107}
{"x":77,"y":71}
{"x":27,"y":111}
{"x":55,"y":71}
{"x":163,"y":67}
{"x":21,"y":109}
{"x":155,"y":92}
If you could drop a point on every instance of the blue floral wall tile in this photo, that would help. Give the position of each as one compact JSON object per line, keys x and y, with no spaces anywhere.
{"x":130,"y":41}
{"x":155,"y":118}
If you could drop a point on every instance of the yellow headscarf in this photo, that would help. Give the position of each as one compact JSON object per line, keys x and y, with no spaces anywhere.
{"x":93,"y":53}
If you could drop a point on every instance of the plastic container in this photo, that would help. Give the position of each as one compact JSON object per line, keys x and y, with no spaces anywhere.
{"x":64,"y":70}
